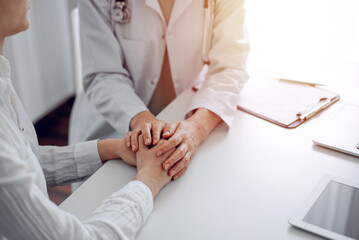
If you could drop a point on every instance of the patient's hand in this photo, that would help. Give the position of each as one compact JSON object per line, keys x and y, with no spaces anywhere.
{"x":126,"y":154}
{"x":149,"y":167}
{"x":115,"y":149}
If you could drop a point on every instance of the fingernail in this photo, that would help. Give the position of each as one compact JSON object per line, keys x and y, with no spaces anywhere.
{"x":133,"y":147}
{"x":128,"y":144}
{"x":172,"y":173}
{"x":147,"y":141}
{"x":159,"y":153}
{"x":155,"y":140}
{"x":167,"y":166}
{"x":167,"y":133}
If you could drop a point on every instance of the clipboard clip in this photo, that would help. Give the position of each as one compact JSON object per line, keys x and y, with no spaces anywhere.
{"x":314,"y":109}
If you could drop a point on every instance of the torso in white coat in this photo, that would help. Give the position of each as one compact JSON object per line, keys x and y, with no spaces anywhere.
{"x":146,"y":36}
{"x":122,"y":62}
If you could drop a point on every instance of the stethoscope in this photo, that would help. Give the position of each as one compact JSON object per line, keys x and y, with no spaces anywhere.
{"x":121,"y":14}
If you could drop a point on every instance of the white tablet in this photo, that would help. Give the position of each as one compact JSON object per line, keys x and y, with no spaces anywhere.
{"x":331,"y":210}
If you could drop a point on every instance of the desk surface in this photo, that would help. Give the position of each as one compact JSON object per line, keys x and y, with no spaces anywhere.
{"x":244,"y":183}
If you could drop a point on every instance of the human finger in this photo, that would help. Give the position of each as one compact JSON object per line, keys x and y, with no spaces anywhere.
{"x":156,"y":132}
{"x":175,"y":157}
{"x":184,"y":162}
{"x":134,"y":140}
{"x":168,"y":153}
{"x":141,"y":144}
{"x":170,"y":129}
{"x":171,"y":143}
{"x":128,"y":139}
{"x":146,"y":133}
{"x":161,"y":141}
{"x":178,"y":175}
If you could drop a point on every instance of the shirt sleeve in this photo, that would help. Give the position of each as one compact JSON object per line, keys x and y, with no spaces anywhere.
{"x":107,"y":84}
{"x":26,"y":213}
{"x":226,"y":74}
{"x":63,"y":165}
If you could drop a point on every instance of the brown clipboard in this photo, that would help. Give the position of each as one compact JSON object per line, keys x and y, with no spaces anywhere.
{"x":283,"y":103}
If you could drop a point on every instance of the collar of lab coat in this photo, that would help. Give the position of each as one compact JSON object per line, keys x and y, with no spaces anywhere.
{"x":179,"y":7}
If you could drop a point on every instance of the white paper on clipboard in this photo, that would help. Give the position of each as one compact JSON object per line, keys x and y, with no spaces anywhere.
{"x":280,"y":102}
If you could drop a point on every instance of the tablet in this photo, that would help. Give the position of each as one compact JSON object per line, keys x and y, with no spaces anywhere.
{"x":331,"y":210}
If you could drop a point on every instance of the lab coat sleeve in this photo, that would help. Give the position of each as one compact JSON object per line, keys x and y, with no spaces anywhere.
{"x":107,"y":83}
{"x":27,"y":213}
{"x":63,"y":165}
{"x":226,"y":74}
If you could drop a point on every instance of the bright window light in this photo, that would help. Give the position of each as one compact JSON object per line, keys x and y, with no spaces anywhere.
{"x":288,"y":36}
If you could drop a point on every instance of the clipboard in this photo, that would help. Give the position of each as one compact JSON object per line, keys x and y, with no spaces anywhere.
{"x":283,"y":103}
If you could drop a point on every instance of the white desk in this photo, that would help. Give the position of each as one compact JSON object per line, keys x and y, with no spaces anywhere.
{"x":242,"y":184}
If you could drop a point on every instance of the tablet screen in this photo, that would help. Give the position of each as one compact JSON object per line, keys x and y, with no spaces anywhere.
{"x":337,"y":210}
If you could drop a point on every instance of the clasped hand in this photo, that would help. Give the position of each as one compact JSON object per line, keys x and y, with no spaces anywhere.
{"x":183,"y":137}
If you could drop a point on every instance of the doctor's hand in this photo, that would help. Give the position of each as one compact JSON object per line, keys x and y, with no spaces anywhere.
{"x":145,"y":125}
{"x":149,"y":167}
{"x":186,"y":136}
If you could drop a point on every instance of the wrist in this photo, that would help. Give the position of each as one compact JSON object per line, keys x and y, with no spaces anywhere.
{"x":152,"y":184}
{"x":205,"y":122}
{"x":110,"y":149}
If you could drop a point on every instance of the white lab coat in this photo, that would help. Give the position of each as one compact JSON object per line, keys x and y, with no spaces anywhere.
{"x":122,"y":62}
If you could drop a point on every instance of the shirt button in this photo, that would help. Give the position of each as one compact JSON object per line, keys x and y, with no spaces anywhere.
{"x":152,"y":82}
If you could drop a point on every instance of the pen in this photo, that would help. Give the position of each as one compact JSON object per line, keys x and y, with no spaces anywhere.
{"x":301,"y":82}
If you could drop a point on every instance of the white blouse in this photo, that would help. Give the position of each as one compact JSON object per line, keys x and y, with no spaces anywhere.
{"x":26,"y":168}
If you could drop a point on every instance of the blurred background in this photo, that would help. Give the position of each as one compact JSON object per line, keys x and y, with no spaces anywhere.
{"x":301,"y":39}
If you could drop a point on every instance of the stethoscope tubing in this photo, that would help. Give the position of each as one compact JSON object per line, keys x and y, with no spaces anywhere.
{"x":209,"y":8}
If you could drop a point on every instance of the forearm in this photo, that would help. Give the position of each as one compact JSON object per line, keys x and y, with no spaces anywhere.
{"x":115,"y":99}
{"x":206,"y":122}
{"x":106,"y":149}
{"x":150,"y":182}
{"x":63,"y":165}
{"x":226,"y":74}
